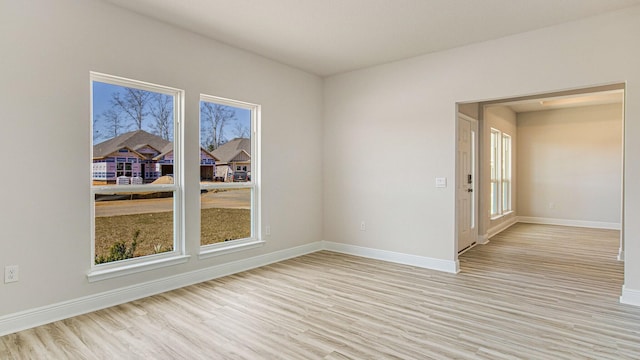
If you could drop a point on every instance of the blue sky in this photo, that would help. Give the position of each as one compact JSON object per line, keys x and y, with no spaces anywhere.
{"x":102,"y":95}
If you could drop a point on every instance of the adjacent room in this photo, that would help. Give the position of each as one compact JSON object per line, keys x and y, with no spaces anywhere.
{"x":320,"y":180}
{"x":552,"y":158}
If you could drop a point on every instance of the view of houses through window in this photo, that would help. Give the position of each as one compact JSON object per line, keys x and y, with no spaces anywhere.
{"x":136,"y":196}
{"x":136,"y":170}
{"x":227,"y":200}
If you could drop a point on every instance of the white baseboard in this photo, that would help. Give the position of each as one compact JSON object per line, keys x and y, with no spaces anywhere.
{"x":567,"y":222}
{"x":450,"y":266}
{"x":483,"y":239}
{"x":34,"y":317}
{"x":501,"y":227}
{"x":630,"y":296}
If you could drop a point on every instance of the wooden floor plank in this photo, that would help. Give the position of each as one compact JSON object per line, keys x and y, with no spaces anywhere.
{"x":533,"y":292}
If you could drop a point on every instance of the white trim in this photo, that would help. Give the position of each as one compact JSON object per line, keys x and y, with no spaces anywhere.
{"x":620,"y":254}
{"x":450,"y":266}
{"x":34,"y":317}
{"x":630,"y":296}
{"x":501,"y":227}
{"x":97,"y":274}
{"x":567,"y":222}
{"x":227,"y":248}
{"x":483,"y":239}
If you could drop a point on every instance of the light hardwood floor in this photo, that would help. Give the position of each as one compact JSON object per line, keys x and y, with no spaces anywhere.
{"x":534,"y":292}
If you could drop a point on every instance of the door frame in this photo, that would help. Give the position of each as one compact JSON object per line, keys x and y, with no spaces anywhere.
{"x":482,"y":237}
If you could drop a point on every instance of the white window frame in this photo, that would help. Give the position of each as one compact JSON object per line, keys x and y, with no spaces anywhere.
{"x":148,"y":262}
{"x":255,"y":239}
{"x":501,"y":174}
{"x":506,"y":173}
{"x":494,"y":207}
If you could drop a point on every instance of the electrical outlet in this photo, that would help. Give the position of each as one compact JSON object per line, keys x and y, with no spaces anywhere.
{"x":267,"y":230}
{"x":10,"y":274}
{"x":363,"y":226}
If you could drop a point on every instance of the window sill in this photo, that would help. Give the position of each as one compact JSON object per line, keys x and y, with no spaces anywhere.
{"x":500,"y":216}
{"x":223,"y":249}
{"x":103,"y":274}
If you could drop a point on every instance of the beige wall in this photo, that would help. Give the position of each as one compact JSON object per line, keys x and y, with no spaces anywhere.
{"x":404,"y":113}
{"x":48,"y":49}
{"x":504,"y":119}
{"x":471,"y":110}
{"x":570,"y":164}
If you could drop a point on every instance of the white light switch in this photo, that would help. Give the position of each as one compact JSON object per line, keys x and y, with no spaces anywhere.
{"x":441,"y":182}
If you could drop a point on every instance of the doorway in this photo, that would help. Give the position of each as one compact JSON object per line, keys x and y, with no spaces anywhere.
{"x":587,"y":99}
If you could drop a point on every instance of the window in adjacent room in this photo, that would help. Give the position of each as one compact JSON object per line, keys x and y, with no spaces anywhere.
{"x":500,"y":169}
{"x":506,"y":173}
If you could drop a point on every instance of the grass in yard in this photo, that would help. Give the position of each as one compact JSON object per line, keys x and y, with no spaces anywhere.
{"x":218,"y":225}
{"x":156,"y":229}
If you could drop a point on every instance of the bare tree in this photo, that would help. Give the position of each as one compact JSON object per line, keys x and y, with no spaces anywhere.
{"x":240,"y":130}
{"x":97,"y":135}
{"x":161,"y":109}
{"x":114,"y":123}
{"x":213,"y":119}
{"x":133,"y":104}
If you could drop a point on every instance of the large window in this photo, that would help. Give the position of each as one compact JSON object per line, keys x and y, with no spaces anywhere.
{"x":136,"y":179}
{"x":500,"y":173}
{"x":229,"y":173}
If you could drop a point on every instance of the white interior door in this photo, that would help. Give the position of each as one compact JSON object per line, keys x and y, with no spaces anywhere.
{"x":466,"y":194}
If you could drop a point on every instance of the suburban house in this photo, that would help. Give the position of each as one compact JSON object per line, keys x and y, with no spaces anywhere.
{"x":139,"y":154}
{"x":234,"y":155}
{"x":508,"y":226}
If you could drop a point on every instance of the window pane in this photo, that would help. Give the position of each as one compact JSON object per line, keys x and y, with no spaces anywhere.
{"x":506,"y":196}
{"x":494,"y":198}
{"x":132,"y":135}
{"x":226,"y":150}
{"x":133,"y":145}
{"x":132,"y":225}
{"x":225,"y":143}
{"x":494,"y":154}
{"x":225,"y":215}
{"x":495,"y":174}
{"x":506,"y":172}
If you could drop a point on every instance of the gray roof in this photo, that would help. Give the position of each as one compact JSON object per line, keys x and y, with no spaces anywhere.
{"x":133,"y":140}
{"x":233,"y":149}
{"x":136,"y":140}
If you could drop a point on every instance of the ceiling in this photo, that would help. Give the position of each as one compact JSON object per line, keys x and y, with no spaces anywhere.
{"x":597,"y":95}
{"x":327,"y":37}
{"x":562,"y":102}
